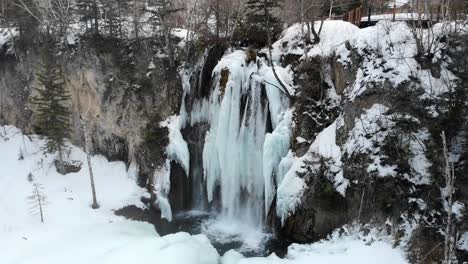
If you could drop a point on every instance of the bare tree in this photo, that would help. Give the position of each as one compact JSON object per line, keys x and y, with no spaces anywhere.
{"x":449,"y":176}
{"x":163,"y":11}
{"x":38,"y":200}
{"x":283,"y":88}
{"x":137,"y":7}
{"x":54,"y":15}
{"x":87,"y":148}
{"x":240,"y":8}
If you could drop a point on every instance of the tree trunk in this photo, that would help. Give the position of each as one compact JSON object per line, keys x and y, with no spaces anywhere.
{"x":135,"y":17}
{"x":239,"y":8}
{"x":283,"y":89}
{"x":450,"y":187}
{"x":95,"y":204}
{"x":120,"y":18}
{"x":369,"y":11}
{"x":95,"y":14}
{"x":217,"y":19}
{"x":39,"y":200}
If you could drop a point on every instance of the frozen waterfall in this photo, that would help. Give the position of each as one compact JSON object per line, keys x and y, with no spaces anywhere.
{"x":248,"y":135}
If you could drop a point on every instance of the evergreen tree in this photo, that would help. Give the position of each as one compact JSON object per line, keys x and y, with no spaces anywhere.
{"x":50,"y":104}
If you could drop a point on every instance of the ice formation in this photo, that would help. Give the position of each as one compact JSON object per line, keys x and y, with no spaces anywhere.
{"x":239,"y":155}
{"x":178,"y":151}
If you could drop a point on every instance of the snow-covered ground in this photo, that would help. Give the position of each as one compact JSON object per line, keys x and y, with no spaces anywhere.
{"x":72,"y":232}
{"x":351,"y":247}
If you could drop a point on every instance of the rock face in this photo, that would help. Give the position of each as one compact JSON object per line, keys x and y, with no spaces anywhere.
{"x":389,"y":136}
{"x":122,"y":88}
{"x":322,"y":211}
{"x":68,"y":167}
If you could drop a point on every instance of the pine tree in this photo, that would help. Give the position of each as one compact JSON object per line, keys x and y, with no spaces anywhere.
{"x":50,"y":104}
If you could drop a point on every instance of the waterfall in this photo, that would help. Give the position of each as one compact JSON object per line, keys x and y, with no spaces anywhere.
{"x":242,"y":108}
{"x":232,"y":156}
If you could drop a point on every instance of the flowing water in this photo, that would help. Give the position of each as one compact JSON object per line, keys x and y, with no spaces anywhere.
{"x":226,"y":234}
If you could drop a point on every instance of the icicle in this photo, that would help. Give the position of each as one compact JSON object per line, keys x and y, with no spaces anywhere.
{"x":239,"y":156}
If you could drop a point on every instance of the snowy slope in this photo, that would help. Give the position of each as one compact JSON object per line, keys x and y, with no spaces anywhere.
{"x":72,"y":231}
{"x":351,"y":248}
{"x":387,"y":55}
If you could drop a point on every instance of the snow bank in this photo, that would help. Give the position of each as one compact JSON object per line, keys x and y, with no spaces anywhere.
{"x":388,"y":50}
{"x":333,"y":36}
{"x":463,"y":242}
{"x":369,"y":133}
{"x":292,"y":187}
{"x":73,"y":232}
{"x":290,"y":191}
{"x":6,"y":34}
{"x":348,"y":248}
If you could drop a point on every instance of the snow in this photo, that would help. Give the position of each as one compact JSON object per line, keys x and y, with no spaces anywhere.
{"x":181,"y":34}
{"x":226,"y":230}
{"x":325,"y":146}
{"x":369,"y":132}
{"x":177,"y":149}
{"x":333,"y":35}
{"x":463,"y":242}
{"x":162,"y":186}
{"x":388,"y":50}
{"x":325,"y":143}
{"x":399,"y":3}
{"x":418,"y":161}
{"x":290,"y":192}
{"x":291,"y":187}
{"x":398,"y":16}
{"x":351,"y":248}
{"x":458,"y":209}
{"x":151,"y":66}
{"x":420,"y":202}
{"x":6,"y":35}
{"x":73,"y":232}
